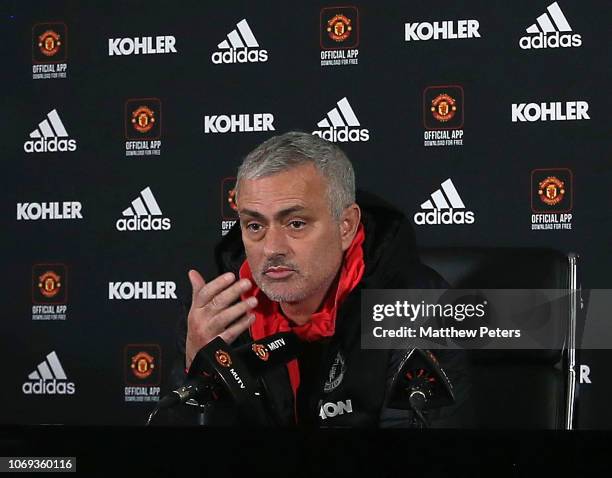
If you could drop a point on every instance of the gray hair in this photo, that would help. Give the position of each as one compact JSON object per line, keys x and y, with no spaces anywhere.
{"x":284,"y":152}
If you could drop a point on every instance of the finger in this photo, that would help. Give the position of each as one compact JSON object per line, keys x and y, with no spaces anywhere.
{"x":224,"y":318}
{"x":228,"y":296}
{"x":197,"y":282}
{"x":211,"y":289}
{"x":230,"y":334}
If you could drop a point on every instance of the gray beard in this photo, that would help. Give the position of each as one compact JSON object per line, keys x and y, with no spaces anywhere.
{"x":276,"y":297}
{"x":283,"y":297}
{"x":287,"y":298}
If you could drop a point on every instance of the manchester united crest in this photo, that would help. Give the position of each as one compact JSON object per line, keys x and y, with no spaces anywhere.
{"x":49,"y":292}
{"x":443,"y":114}
{"x":231,"y":199}
{"x":143,"y":119}
{"x":443,"y":107}
{"x":336,"y":373}
{"x":551,"y":190}
{"x":49,"y":46}
{"x":142,"y":365}
{"x":223,"y":358}
{"x":142,"y":369}
{"x":143,"y":122}
{"x":261,"y":352}
{"x":552,"y":199}
{"x":49,"y":42}
{"x":49,"y":284}
{"x":339,"y":28}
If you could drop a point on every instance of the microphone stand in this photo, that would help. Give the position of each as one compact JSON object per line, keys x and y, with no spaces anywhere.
{"x":420,"y":384}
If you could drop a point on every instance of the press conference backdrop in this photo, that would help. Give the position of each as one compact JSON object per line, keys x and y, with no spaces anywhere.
{"x":123,"y":125}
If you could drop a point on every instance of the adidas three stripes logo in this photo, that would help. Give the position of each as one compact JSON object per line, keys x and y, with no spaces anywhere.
{"x":49,"y":378}
{"x":440,"y":201}
{"x":144,"y":205}
{"x":343,"y":115}
{"x":240,"y":46}
{"x":50,"y":127}
{"x":550,"y":30}
{"x":239,"y":40}
{"x":143,"y":215}
{"x":445,"y":207}
{"x":341,"y":124}
{"x":50,"y":136}
{"x":49,"y":369}
{"x":545,"y":23}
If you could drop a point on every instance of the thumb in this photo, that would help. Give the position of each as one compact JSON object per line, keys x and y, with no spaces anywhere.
{"x":197,"y":282}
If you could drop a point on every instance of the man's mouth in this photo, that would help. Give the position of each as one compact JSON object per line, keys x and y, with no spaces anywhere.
{"x":278,"y":272}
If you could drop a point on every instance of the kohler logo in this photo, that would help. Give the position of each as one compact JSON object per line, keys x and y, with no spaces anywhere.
{"x":141,"y":290}
{"x":551,"y":111}
{"x":141,"y":45}
{"x":33,"y":211}
{"x":445,"y":30}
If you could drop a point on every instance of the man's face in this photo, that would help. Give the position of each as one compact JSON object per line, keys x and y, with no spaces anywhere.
{"x":292,"y":242}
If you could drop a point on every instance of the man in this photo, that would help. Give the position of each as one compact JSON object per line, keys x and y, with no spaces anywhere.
{"x":305,"y":248}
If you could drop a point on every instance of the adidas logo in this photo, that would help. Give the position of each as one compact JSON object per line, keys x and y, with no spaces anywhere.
{"x":49,"y":378}
{"x":442,"y":208}
{"x":240,"y":47}
{"x":50,"y":136}
{"x":143,"y":215}
{"x":341,"y":125}
{"x":546,"y":32}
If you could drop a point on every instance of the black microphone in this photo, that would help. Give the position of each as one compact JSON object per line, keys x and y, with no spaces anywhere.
{"x":252,"y":359}
{"x":218,"y":370}
{"x":262,"y":355}
{"x":420,"y":384}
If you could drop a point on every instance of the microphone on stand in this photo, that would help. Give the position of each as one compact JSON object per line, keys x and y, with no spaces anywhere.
{"x":420,"y":384}
{"x":219,"y":371}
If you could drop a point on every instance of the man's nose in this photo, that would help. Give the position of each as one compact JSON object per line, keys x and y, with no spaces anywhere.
{"x":275,"y":242}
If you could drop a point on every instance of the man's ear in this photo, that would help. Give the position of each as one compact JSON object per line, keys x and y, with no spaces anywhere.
{"x":349,"y":223}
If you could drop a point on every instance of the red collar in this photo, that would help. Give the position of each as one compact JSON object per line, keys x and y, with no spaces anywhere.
{"x":269,"y":320}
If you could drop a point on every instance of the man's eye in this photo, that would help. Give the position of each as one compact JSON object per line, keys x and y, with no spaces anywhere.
{"x":297,"y":224}
{"x":254,"y":227}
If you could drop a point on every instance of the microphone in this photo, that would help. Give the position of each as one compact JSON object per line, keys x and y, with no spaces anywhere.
{"x":218,"y":370}
{"x":420,"y":384}
{"x":262,"y":355}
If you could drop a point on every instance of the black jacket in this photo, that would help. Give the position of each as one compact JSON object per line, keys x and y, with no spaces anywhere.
{"x":346,"y":385}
